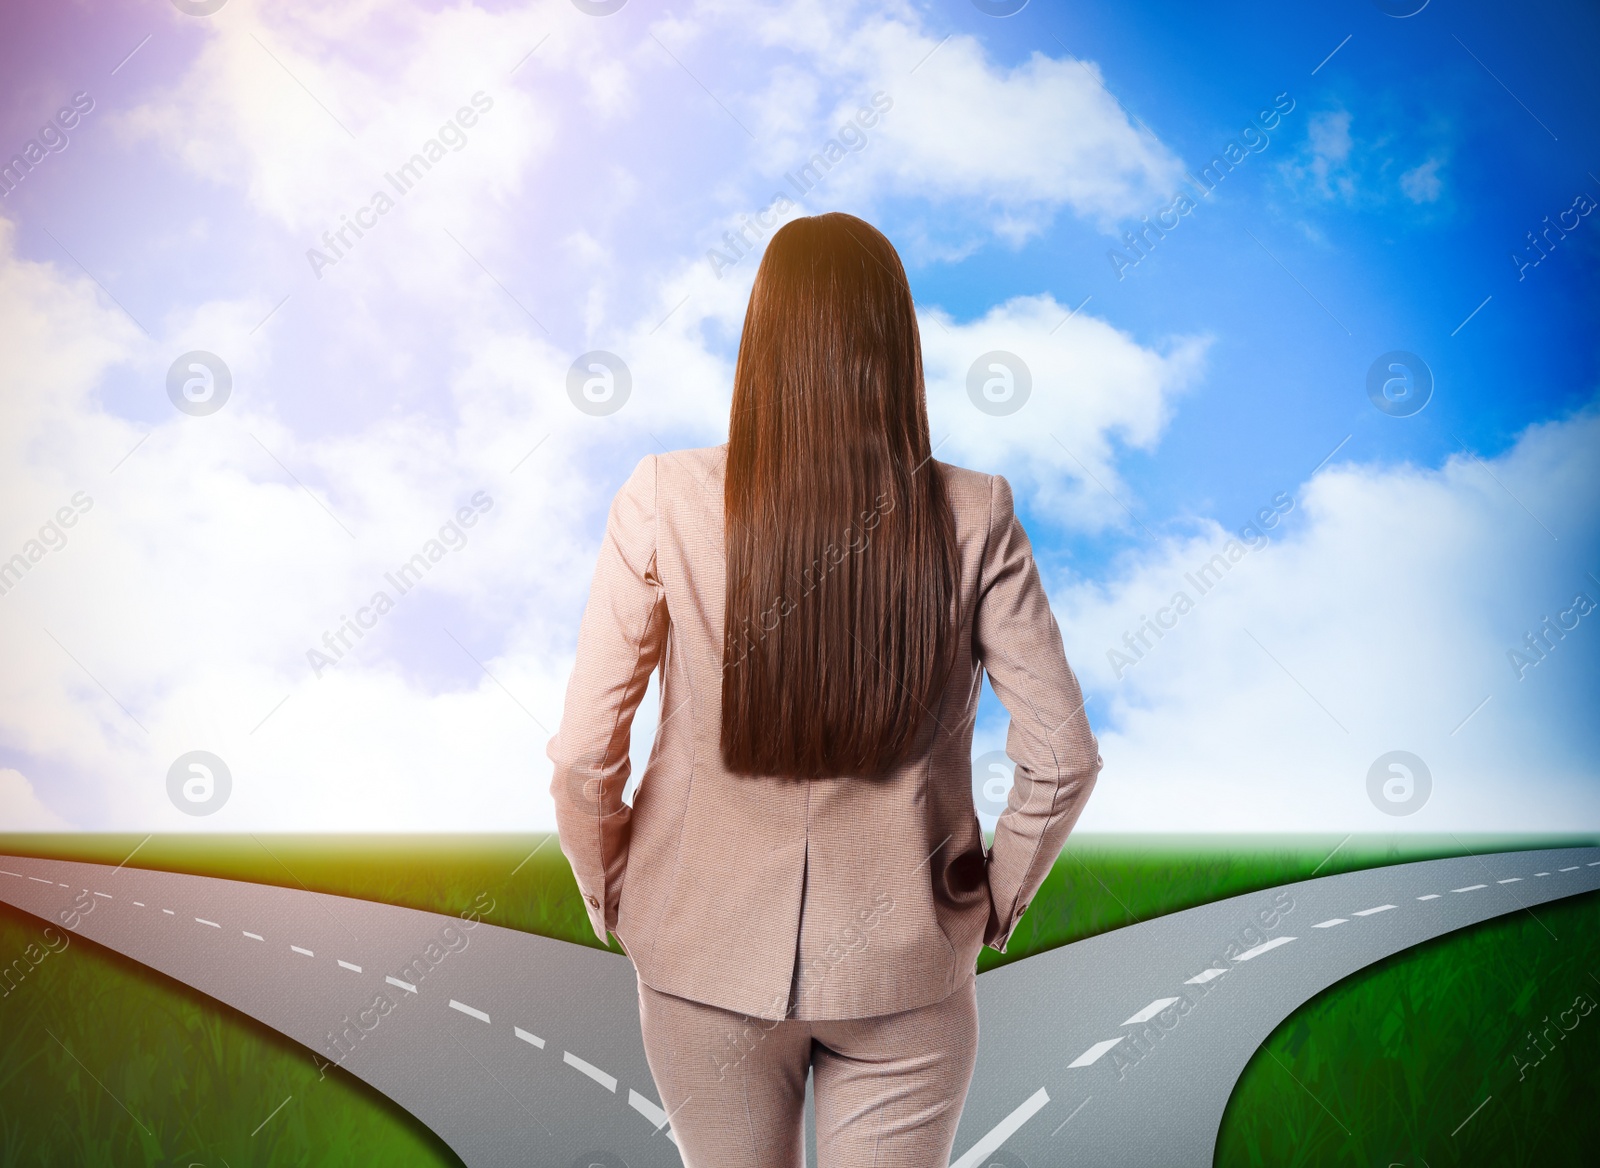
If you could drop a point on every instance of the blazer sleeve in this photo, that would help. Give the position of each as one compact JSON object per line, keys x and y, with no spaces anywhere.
{"x":620,"y":642}
{"x":1057,"y":757}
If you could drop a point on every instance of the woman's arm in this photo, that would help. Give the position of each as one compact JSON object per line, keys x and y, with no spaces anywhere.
{"x":1057,"y":756}
{"x":620,"y":641}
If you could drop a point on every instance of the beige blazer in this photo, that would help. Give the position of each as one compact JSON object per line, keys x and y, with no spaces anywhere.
{"x":830,"y":898}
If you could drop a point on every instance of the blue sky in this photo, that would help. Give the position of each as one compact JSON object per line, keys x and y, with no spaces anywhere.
{"x":1227,"y":367}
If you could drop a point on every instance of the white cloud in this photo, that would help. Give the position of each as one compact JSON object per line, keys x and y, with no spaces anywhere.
{"x":179,"y":612}
{"x":1422,"y":183}
{"x":1378,"y":618}
{"x":1025,"y":140}
{"x":1012,"y":142}
{"x":1325,"y":159}
{"x":20,"y":809}
{"x":283,"y":103}
{"x":1093,"y":388}
{"x":1334,"y":164}
{"x":291,"y":104}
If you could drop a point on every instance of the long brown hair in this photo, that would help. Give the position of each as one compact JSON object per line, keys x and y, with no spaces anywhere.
{"x":841,"y":552}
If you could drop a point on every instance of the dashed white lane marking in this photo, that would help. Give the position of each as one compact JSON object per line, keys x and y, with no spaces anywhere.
{"x":1150,"y":1011}
{"x":1204,"y":976}
{"x":1330,"y":923}
{"x":644,"y":1107}
{"x":1429,"y":896}
{"x":1541,"y":873}
{"x":252,"y":936}
{"x":1367,"y":912}
{"x":1596,"y":864}
{"x":1089,"y":1057}
{"x":169,"y":912}
{"x":1004,"y":1130}
{"x":1264,"y":947}
{"x":305,"y":952}
{"x":59,"y":882}
{"x":1509,"y":880}
{"x":1574,"y":868}
{"x":534,"y":1039}
{"x":140,"y":903}
{"x":107,"y":895}
{"x":18,"y":875}
{"x":351,"y":968}
{"x":213,"y":924}
{"x":466,"y":1009}
{"x":1470,"y":888}
{"x":609,"y":1082}
{"x":42,"y":880}
{"x":405,"y":985}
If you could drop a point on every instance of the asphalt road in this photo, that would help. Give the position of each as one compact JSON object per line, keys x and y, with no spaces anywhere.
{"x":1124,"y":1048}
{"x":517,"y":1049}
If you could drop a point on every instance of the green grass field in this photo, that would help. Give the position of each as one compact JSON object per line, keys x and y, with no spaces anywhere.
{"x":1387,"y":1067}
{"x":103,"y":1061}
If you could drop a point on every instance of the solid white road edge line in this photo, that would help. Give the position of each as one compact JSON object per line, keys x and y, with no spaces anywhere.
{"x":1004,"y":1130}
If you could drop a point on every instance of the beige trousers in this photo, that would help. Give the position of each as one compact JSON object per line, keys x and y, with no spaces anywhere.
{"x":888,"y":1089}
